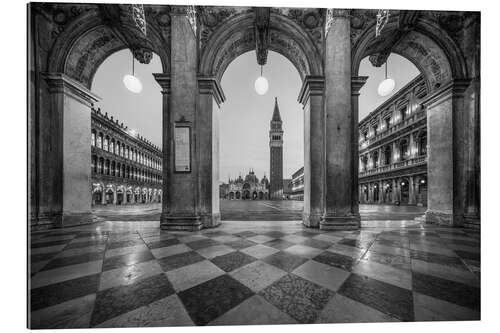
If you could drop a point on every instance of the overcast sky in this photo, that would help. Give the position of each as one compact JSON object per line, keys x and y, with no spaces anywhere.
{"x":245,"y":116}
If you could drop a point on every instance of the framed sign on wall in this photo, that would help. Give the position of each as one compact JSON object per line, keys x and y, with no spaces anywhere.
{"x":182,"y":147}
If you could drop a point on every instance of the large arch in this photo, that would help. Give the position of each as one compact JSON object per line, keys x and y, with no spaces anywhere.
{"x":451,"y":114}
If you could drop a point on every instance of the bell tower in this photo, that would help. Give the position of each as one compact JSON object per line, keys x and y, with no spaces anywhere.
{"x":276,"y":154}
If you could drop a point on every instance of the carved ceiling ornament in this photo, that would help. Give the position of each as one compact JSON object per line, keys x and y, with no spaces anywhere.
{"x":261,"y":28}
{"x":139,"y":17}
{"x":382,"y":19}
{"x":191,"y":15}
{"x":328,"y":20}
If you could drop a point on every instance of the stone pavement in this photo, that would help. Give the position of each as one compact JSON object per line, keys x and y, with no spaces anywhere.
{"x":121,"y":274}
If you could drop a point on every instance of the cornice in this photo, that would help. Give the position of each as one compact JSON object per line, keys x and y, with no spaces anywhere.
{"x":313,"y":85}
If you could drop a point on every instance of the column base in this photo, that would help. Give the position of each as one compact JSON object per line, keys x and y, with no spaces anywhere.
{"x":472,"y":221}
{"x":210,"y":220}
{"x":180,"y":223}
{"x":352,"y":222}
{"x":61,"y":220}
{"x":439,"y":217}
{"x":311,"y":220}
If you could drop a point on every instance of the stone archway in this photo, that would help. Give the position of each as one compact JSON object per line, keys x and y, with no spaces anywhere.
{"x":432,"y":44}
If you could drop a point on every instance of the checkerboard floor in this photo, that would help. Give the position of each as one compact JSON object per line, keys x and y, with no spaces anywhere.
{"x":134,"y":274}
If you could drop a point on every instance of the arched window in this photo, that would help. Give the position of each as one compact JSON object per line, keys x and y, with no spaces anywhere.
{"x":100,"y":166}
{"x":422,"y":144}
{"x":403,"y":149}
{"x":123,"y":150}
{"x":375,"y":159}
{"x":106,"y":143}
{"x":402,"y":114}
{"x":99,"y":141}
{"x":113,"y":166}
{"x":112,"y":146}
{"x":118,"y":170}
{"x":388,"y":155}
{"x":92,"y":140}
{"x":123,"y":170}
{"x":118,"y":148}
{"x":128,"y":152}
{"x":94,"y":163}
{"x":106,"y":167}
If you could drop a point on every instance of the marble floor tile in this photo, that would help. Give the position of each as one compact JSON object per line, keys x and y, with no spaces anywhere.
{"x":170,"y":250}
{"x":426,"y":247}
{"x":384,"y":249}
{"x":384,"y":297}
{"x":285,"y":261}
{"x":42,"y":257}
{"x":179,"y":260}
{"x":61,"y":274}
{"x":259,"y":239}
{"x":246,"y":234}
{"x":126,"y":260}
{"x":45,"y":243}
{"x":356,"y":243}
{"x":469,"y":255}
{"x":299,"y":298}
{"x":259,"y":251}
{"x":240,"y":244}
{"x":341,"y":309}
{"x":115,"y":301}
{"x":209,"y":300}
{"x":215,"y":251}
{"x":167,"y":311}
{"x":124,"y":243}
{"x":92,"y":243}
{"x":53,"y":294}
{"x":73,"y":260}
{"x":324,"y":275}
{"x":74,"y":313}
{"x":279,"y":244}
{"x":447,"y":290}
{"x":432,"y":309}
{"x":335,"y":259}
{"x":400,"y":262}
{"x":163,"y":243}
{"x":231,"y":261}
{"x":35,"y":267}
{"x":254,"y":311}
{"x":258,"y":275}
{"x":346,"y":250}
{"x":303,"y":251}
{"x":402,"y":243}
{"x":81,"y":250}
{"x":384,"y":273}
{"x":226,"y":238}
{"x":191,"y":238}
{"x":202,"y":243}
{"x":437,"y":259}
{"x":316,"y":243}
{"x":327,"y":238}
{"x":63,"y":238}
{"x":129,"y":274}
{"x":462,"y":275}
{"x":48,"y":249}
{"x":125,"y":250}
{"x":189,"y":276}
{"x":294,"y":238}
{"x":275,"y":234}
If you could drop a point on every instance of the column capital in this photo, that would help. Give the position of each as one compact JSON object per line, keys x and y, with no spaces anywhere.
{"x":357,"y":82}
{"x":61,"y":83}
{"x":164,"y":80}
{"x":179,"y":9}
{"x":313,"y":85}
{"x":210,"y":85}
{"x":454,"y":88}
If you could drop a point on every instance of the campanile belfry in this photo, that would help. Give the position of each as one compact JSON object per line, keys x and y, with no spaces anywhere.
{"x":276,"y":154}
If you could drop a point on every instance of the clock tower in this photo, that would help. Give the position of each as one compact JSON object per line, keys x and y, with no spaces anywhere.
{"x":276,"y":155}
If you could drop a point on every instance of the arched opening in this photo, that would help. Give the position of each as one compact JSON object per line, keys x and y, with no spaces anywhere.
{"x":405,"y":191}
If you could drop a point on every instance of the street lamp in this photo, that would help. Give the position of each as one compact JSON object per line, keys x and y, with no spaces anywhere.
{"x":386,"y":86}
{"x":131,"y":82}
{"x":261,"y":84}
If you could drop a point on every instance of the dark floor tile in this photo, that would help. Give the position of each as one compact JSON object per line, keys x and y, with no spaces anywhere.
{"x":240,"y":244}
{"x":274,"y":234}
{"x":211,"y":299}
{"x":305,"y":233}
{"x":386,"y":298}
{"x":447,"y":290}
{"x":73,"y":260}
{"x":215,"y":233}
{"x":53,"y":294}
{"x":179,"y":260}
{"x":124,"y":243}
{"x":202,"y":243}
{"x":335,"y":259}
{"x":163,"y":243}
{"x":284,"y":261}
{"x":232,"y":261}
{"x":50,"y":243}
{"x":246,"y":234}
{"x":318,"y":244}
{"x":115,"y":301}
{"x":299,"y":298}
{"x":42,"y":256}
{"x":469,"y":255}
{"x":78,"y":245}
{"x":279,"y":244}
{"x":126,"y":260}
{"x":471,"y":243}
{"x":437,"y":259}
{"x":393,"y":243}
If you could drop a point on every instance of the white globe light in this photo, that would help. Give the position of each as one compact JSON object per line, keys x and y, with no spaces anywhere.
{"x":261,"y":85}
{"x":132,"y":83}
{"x":386,"y":87}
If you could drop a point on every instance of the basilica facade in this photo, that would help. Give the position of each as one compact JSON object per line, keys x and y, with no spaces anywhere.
{"x":248,"y":188}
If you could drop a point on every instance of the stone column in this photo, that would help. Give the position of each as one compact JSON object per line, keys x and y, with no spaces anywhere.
{"x":357,"y":82}
{"x":394,"y":190}
{"x":380,"y":192}
{"x":115,"y":197}
{"x":311,"y":97}
{"x":451,"y":144}
{"x":210,"y":93}
{"x":341,"y":147}
{"x":411,"y":187}
{"x":370,"y":193}
{"x":180,"y":189}
{"x":64,"y":154}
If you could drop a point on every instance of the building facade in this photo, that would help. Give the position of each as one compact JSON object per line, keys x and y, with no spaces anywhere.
{"x":276,"y":154}
{"x":392,"y":151}
{"x":126,"y":168}
{"x":249,"y":188}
